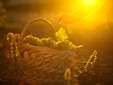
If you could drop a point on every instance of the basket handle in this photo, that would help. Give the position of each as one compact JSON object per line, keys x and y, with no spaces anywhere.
{"x":35,"y":20}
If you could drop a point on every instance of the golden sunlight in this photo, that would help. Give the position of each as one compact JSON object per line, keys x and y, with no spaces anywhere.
{"x":89,"y":2}
{"x":89,"y":13}
{"x":87,"y":7}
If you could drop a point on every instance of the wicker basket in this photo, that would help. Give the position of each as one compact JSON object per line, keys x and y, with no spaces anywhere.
{"x":37,"y":65}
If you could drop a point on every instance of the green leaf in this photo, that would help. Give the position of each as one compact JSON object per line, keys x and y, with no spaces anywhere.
{"x":61,"y":35}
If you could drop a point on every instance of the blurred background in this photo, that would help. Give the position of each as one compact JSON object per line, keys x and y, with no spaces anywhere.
{"x":94,"y":31}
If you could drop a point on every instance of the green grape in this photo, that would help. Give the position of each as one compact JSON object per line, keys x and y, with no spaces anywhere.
{"x":61,"y":44}
{"x":49,"y":42}
{"x":32,"y":40}
{"x":66,"y":45}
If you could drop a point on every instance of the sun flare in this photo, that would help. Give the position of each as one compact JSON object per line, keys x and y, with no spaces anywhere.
{"x":89,"y":2}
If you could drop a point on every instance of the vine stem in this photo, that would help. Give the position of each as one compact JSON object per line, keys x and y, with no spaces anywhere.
{"x":33,"y":21}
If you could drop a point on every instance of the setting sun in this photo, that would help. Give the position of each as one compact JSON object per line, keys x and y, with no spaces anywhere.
{"x":89,"y":2}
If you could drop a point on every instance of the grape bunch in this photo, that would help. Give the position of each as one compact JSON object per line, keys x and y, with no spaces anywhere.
{"x":62,"y":42}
